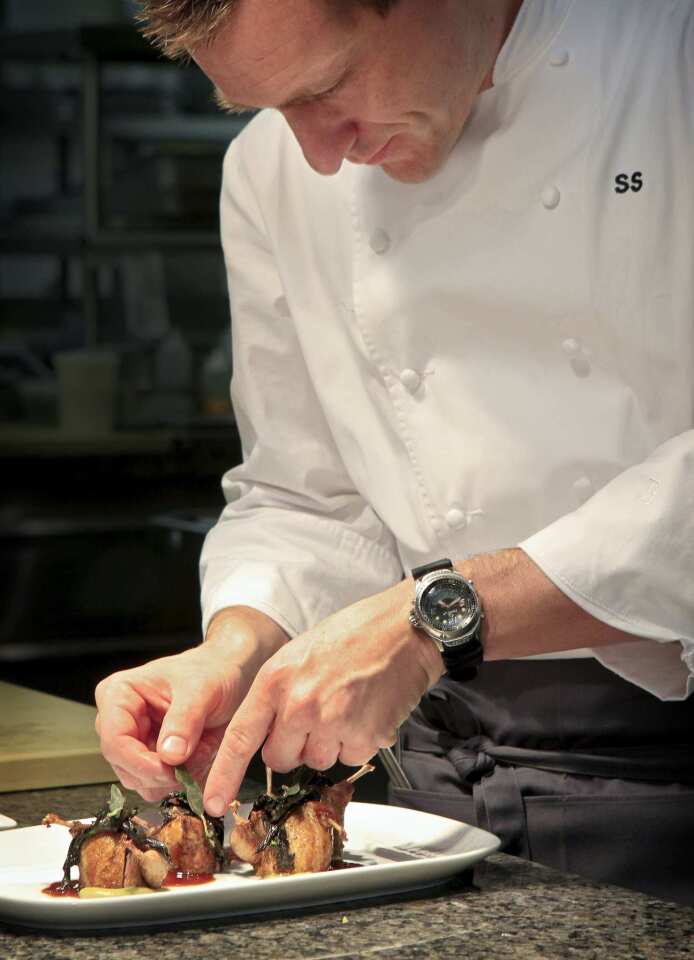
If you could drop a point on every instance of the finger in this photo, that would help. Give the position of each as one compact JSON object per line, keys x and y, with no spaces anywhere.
{"x":243,"y":737}
{"x":319,"y":753}
{"x":389,"y":740}
{"x":122,"y":746}
{"x":131,"y":783}
{"x":354,"y":753}
{"x":201,"y":759}
{"x":183,"y":723}
{"x":284,"y":746}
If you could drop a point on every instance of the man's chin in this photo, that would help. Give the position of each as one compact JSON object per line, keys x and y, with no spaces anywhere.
{"x":415,"y":170}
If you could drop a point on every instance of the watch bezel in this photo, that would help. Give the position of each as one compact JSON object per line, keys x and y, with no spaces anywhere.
{"x":420,"y":619}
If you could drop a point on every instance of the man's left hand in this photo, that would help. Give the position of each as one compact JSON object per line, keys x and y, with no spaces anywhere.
{"x":337,"y":692}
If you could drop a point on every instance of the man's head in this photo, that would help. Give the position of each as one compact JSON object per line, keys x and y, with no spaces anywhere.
{"x":384,"y":82}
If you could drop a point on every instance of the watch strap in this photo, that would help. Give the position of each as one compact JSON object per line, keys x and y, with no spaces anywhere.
{"x":425,"y":568}
{"x":462,"y":662}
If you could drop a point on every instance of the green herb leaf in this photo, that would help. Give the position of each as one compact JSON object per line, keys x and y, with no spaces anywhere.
{"x":117,"y":801}
{"x":194,"y":798}
{"x":192,"y":791}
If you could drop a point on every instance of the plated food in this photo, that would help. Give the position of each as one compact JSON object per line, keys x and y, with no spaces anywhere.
{"x":299,"y":829}
{"x":398,"y":850}
{"x":120,"y":852}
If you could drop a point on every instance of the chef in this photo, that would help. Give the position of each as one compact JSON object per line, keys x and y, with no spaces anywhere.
{"x":461,"y":262}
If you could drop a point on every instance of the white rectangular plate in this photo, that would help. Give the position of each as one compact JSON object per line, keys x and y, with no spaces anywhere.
{"x":400,"y":850}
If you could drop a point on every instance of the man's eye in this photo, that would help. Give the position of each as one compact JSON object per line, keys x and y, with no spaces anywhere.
{"x":324,"y":94}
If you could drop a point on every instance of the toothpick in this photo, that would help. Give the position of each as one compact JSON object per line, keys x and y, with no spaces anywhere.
{"x":268,"y":781}
{"x":361,"y":772}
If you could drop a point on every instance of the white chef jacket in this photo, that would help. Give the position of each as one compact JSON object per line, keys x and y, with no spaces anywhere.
{"x":502,"y":355}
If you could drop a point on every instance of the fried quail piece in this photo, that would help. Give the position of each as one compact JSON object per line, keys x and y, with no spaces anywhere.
{"x":306,"y":839}
{"x":104,"y":859}
{"x":246,"y":836}
{"x":153,"y":865}
{"x":311,"y":831}
{"x":336,"y":798}
{"x":74,"y":826}
{"x":105,"y":862}
{"x":116,"y":850}
{"x":113,"y":860}
{"x":189,"y":848}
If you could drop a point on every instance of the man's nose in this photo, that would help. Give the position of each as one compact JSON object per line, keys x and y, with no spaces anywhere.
{"x":325,"y":141}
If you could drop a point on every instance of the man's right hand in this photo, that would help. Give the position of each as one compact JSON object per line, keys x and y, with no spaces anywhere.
{"x":175,"y":710}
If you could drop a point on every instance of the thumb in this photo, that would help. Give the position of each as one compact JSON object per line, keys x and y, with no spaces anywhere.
{"x":183,"y":724}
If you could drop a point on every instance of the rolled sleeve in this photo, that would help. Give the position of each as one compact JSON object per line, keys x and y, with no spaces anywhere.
{"x":627,"y":558}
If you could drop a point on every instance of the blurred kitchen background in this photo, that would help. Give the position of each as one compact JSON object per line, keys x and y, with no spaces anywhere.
{"x":115,"y":423}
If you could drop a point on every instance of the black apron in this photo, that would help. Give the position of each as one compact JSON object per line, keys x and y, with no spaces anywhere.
{"x":568,"y":764}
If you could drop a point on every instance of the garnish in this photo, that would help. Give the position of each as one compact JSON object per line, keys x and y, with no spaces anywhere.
{"x":117,"y":801}
{"x":214,"y":826}
{"x":192,"y":791}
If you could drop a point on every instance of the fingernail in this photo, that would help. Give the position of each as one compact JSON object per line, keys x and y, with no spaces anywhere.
{"x":175,"y":745}
{"x":215,"y":806}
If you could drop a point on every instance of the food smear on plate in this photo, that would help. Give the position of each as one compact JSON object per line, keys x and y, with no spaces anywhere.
{"x":98,"y":893}
{"x":299,"y":829}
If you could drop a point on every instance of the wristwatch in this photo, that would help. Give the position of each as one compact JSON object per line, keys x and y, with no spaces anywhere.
{"x":447,"y":608}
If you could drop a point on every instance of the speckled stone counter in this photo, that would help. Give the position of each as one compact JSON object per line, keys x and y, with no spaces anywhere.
{"x":513,"y":909}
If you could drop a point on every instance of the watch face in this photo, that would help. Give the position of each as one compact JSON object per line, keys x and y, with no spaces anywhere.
{"x":449,"y":605}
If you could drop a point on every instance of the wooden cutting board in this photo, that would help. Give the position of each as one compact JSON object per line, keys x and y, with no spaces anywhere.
{"x":46,"y":741}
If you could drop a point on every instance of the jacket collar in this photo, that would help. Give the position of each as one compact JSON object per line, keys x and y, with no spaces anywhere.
{"x":537,"y":24}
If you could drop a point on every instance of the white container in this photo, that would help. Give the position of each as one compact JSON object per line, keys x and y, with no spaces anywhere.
{"x":87,"y":384}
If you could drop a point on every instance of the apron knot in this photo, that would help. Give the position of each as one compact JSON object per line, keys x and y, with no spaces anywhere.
{"x":471,"y":763}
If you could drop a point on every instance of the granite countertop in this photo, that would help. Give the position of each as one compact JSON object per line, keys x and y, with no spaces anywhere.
{"x":513,"y":909}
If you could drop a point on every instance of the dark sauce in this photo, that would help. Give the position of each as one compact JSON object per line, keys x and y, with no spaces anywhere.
{"x":344,"y":865}
{"x":60,"y":888}
{"x":180,"y":878}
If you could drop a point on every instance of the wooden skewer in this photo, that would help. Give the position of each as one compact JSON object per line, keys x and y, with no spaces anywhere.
{"x":268,"y":781}
{"x":361,"y":772}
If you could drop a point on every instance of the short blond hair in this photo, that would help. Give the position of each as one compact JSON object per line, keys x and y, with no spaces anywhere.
{"x":176,"y":26}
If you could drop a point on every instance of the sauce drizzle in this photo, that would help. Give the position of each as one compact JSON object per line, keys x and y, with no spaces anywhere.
{"x":179,"y":878}
{"x":61,"y":888}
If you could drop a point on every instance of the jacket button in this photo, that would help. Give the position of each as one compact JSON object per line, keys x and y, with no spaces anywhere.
{"x":571,"y":347}
{"x":410,"y":380}
{"x":559,"y":58}
{"x":455,"y":518}
{"x":550,"y":198}
{"x":583,"y":487}
{"x":380,"y":241}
